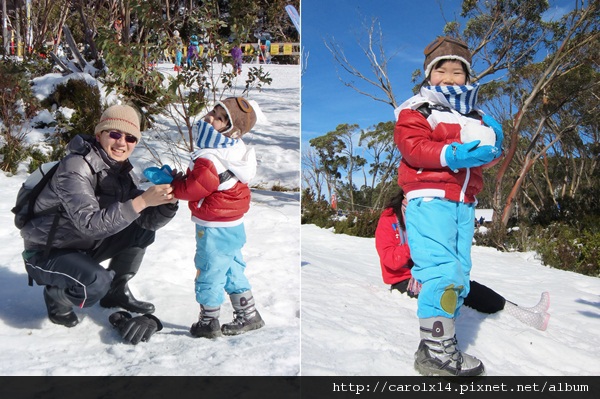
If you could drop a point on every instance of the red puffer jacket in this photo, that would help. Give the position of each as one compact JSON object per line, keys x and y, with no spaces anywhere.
{"x":209,"y":206}
{"x":421,"y":147}
{"x":392,"y":248}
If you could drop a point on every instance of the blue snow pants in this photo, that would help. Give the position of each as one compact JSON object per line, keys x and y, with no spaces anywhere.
{"x":220,"y":264}
{"x":440,"y":236}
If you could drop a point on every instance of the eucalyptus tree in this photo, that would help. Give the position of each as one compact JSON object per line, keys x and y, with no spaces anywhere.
{"x":384,"y":158}
{"x":337,"y":152}
{"x":536,"y":55}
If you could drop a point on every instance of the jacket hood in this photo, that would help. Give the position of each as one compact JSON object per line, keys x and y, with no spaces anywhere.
{"x":238,"y":159}
{"x":80,"y":144}
{"x":245,"y":168}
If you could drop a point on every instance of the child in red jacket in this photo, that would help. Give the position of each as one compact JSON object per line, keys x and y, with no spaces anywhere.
{"x":444,"y":142}
{"x":216,"y":188}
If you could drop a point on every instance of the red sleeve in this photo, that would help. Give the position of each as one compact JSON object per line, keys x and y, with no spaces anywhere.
{"x":199,"y":183}
{"x":413,"y":137}
{"x":391,"y":253}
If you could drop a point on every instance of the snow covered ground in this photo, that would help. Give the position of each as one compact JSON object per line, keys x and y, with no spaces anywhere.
{"x":352,"y":325}
{"x":30,"y":345}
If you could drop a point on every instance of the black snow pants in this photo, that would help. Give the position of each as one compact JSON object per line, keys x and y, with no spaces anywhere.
{"x":80,"y":272}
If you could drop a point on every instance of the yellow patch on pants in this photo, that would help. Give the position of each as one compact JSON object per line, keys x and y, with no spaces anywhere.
{"x":449,"y":298}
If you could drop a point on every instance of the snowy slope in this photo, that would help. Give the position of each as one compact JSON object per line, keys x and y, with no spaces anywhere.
{"x":352,"y":325}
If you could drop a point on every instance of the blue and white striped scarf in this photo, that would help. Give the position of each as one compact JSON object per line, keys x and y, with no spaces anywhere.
{"x":209,"y":137}
{"x":461,"y":98}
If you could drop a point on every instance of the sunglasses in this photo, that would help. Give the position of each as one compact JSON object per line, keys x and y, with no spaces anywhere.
{"x":128,"y":137}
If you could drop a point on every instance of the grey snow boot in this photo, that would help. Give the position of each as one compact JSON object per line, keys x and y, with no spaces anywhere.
{"x":245,"y":315}
{"x":438,"y":353}
{"x":60,"y":308}
{"x":207,"y":325}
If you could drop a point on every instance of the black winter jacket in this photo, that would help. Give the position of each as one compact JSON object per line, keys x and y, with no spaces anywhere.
{"x":95,"y":194}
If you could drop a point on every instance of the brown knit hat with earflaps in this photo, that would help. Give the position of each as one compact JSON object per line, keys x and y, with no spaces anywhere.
{"x":446,"y":48}
{"x":241,"y":116}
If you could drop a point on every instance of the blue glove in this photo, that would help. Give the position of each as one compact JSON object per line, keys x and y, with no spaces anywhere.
{"x":159,"y":176}
{"x":496,"y":127}
{"x":468,"y":155}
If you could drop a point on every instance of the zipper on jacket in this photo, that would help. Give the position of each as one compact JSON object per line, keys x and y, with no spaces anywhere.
{"x":463,"y":189}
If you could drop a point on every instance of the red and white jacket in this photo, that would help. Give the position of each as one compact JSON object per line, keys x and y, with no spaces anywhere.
{"x":392,"y":247}
{"x":216,"y":204}
{"x":422,"y":141}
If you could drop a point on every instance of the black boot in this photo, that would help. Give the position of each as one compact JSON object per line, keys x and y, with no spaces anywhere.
{"x":208,"y":325}
{"x":125,"y":265}
{"x":119,"y":296}
{"x":60,"y":308}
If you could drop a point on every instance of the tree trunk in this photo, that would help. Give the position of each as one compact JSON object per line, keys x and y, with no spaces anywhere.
{"x":59,"y":29}
{"x":5,"y":29}
{"x":73,"y":47}
{"x":88,"y":32}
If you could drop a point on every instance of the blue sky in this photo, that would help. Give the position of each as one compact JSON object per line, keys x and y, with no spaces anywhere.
{"x":407,"y":26}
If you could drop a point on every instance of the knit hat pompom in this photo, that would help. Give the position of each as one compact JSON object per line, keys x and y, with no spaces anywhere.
{"x":241,"y":116}
{"x":120,"y":117}
{"x":446,"y":48}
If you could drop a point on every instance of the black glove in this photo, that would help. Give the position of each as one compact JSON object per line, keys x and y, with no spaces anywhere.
{"x":135,"y":329}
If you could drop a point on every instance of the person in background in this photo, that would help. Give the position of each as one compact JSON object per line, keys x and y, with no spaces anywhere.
{"x":193,"y":52}
{"x":176,"y":47}
{"x":394,"y":254}
{"x":101,"y":214}
{"x":236,"y":53}
{"x":267,"y":51}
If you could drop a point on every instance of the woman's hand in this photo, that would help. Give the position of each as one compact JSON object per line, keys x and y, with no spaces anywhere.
{"x":159,"y":194}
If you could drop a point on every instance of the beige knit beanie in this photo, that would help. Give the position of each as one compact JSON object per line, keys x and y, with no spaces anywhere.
{"x":446,"y":48}
{"x":120,"y":117}
{"x":241,"y":116}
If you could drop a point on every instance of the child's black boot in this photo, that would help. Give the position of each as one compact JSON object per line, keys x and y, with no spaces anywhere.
{"x":207,"y":325}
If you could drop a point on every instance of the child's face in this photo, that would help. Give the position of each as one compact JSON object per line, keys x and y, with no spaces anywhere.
{"x":218,"y":118}
{"x":448,"y":73}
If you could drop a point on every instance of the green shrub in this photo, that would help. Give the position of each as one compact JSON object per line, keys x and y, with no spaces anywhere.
{"x":495,"y":236}
{"x":17,"y":105}
{"x":37,"y":158}
{"x":12,"y":153}
{"x":504,"y":239}
{"x":36,"y":65}
{"x":78,"y":95}
{"x":581,"y":211}
{"x":565,"y":247}
{"x":589,"y":263}
{"x":361,"y":224}
{"x":317,"y":212}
